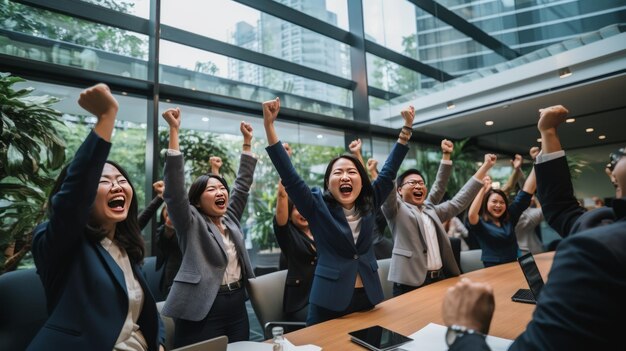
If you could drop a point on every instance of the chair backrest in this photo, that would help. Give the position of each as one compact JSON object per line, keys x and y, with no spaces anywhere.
{"x":470,"y":260}
{"x":153,"y":277}
{"x":23,"y":310}
{"x":219,"y":343}
{"x":266,"y":296}
{"x":383,"y":274}
{"x":169,"y":327}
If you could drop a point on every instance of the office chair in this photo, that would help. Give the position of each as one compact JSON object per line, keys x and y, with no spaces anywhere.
{"x":383,"y":274}
{"x":266,"y":296}
{"x":169,"y":327}
{"x":219,"y":343}
{"x":24,"y":309}
{"x":470,"y":261}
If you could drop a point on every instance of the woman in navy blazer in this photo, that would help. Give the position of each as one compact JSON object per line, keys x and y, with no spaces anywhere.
{"x":341,"y":218}
{"x":88,"y":253}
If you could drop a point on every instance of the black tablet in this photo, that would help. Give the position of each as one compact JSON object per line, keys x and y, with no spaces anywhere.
{"x":378,"y":338}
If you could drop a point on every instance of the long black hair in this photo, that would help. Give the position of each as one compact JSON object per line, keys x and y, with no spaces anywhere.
{"x":364,"y":202}
{"x":127,"y":232}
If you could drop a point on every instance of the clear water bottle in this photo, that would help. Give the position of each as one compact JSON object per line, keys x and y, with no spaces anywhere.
{"x":279,"y":341}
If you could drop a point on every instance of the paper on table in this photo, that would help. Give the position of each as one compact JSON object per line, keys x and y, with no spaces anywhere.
{"x":433,"y":338}
{"x":289,"y":347}
{"x":263,"y":346}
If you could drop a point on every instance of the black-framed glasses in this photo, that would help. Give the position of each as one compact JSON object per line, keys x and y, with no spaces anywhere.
{"x":412,"y":183}
{"x":614,"y":157}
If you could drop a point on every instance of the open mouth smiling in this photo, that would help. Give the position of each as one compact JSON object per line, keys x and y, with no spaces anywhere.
{"x":117,"y":203}
{"x":345,"y":189}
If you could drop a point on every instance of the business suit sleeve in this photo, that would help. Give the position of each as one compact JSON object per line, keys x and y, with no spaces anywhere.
{"x":176,"y":199}
{"x":470,"y":342}
{"x":389,"y":208}
{"x":556,"y":193}
{"x":296,"y":188}
{"x":241,"y":189}
{"x":460,"y":201}
{"x":519,"y":205}
{"x":582,"y":304}
{"x":54,"y":241}
{"x":384,"y":183}
{"x":145,"y":215}
{"x":281,"y":233}
{"x":441,"y":182}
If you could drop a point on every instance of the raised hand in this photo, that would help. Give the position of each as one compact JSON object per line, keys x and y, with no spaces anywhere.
{"x":517,"y":161}
{"x":408,"y":115}
{"x":246,"y":131}
{"x":372,"y":165}
{"x":355,"y":146}
{"x":447,"y":146}
{"x":534,"y":151}
{"x":216,"y":163}
{"x":288,"y":149}
{"x":551,"y":117}
{"x":99,"y":101}
{"x":172,"y":117}
{"x":487,"y":183}
{"x":159,"y":187}
{"x":469,"y":304}
{"x":490,"y":159}
{"x":270,"y":110}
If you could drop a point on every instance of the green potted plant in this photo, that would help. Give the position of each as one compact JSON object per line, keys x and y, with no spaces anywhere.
{"x":31,"y":153}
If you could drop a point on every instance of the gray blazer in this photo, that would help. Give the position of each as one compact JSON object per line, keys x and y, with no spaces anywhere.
{"x":408,"y":259}
{"x":204,"y":254}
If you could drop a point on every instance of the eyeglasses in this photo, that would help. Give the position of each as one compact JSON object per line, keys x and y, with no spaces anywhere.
{"x":614,"y":157}
{"x":120,"y":182}
{"x":413,"y":183}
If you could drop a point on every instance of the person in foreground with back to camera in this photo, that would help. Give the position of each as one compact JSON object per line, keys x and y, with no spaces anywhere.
{"x":493,"y":221}
{"x":382,"y":244}
{"x":89,"y":251}
{"x":207,"y":298}
{"x":582,"y":305}
{"x":296,"y":241}
{"x":422,"y":253}
{"x":554,"y":183}
{"x":341,"y":217}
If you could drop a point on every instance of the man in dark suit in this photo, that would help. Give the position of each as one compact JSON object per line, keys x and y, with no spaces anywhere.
{"x":554,"y":185}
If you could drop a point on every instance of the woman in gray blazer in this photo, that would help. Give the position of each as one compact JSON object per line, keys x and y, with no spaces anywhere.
{"x":207,"y":298}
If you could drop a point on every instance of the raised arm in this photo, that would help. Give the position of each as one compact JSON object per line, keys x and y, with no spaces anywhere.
{"x":472,"y":214}
{"x":145,"y":215}
{"x":443,"y":173}
{"x":372,"y":168}
{"x":515,"y":176}
{"x":245,"y":174}
{"x":216,"y":163}
{"x":355,"y":149}
{"x":282,"y":200}
{"x":549,"y":119}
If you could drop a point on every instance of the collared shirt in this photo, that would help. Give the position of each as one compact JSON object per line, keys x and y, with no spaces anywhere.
{"x":233,"y":270}
{"x":130,"y":338}
{"x":433,"y":256}
{"x":354,"y":221}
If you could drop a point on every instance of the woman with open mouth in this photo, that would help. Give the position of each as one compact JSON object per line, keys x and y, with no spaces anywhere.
{"x":341,"y":217}
{"x":492,"y":220}
{"x":89,"y":251}
{"x":207,"y":298}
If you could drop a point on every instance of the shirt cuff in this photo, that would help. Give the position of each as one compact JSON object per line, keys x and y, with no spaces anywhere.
{"x":541,"y":158}
{"x":446,"y":162}
{"x":249,"y":153}
{"x":172,"y":152}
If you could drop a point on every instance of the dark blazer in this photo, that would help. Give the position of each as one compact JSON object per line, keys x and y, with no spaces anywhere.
{"x":582,"y":306}
{"x":301,"y":262}
{"x":85,"y":288}
{"x":558,"y":203}
{"x":204,"y":253}
{"x":339,"y":258}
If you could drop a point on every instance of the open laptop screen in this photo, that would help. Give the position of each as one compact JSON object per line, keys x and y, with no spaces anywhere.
{"x":531,"y":272}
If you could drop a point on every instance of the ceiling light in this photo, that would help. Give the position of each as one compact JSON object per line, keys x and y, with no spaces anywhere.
{"x":570,"y":120}
{"x":565,"y":72}
{"x":320,"y":136}
{"x":205,"y":119}
{"x":124,"y":93}
{"x":602,"y":137}
{"x":589,"y":130}
{"x":450,"y":105}
{"x":168,"y":100}
{"x":489,"y":123}
{"x":538,"y":140}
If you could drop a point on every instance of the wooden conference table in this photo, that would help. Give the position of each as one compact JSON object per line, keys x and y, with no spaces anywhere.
{"x":411,"y":312}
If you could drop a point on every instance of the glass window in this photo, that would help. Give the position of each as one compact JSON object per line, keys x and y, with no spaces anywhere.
{"x":42,"y":35}
{"x":333,"y":12}
{"x":139,"y":8}
{"x":390,"y":76}
{"x":248,"y":28}
{"x":202,"y":70}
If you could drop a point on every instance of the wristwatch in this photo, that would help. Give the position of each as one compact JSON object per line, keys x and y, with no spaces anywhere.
{"x":456,"y":331}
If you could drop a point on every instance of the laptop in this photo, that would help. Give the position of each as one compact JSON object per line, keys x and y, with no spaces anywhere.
{"x":533,"y":277}
{"x":378,"y":338}
{"x":219,"y":343}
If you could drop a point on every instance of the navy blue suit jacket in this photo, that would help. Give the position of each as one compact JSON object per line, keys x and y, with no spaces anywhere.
{"x":582,"y":306}
{"x":85,"y":288}
{"x":339,"y":258}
